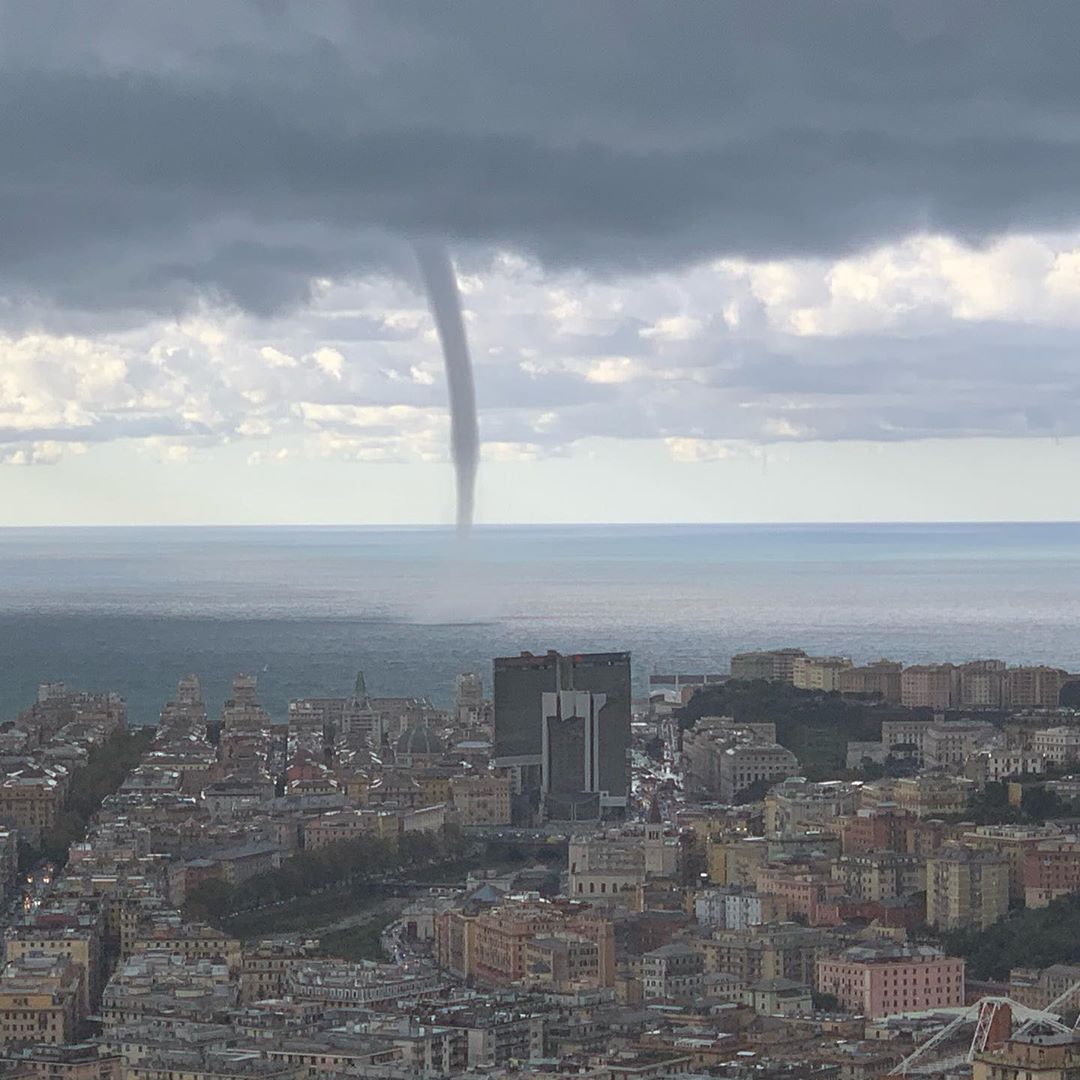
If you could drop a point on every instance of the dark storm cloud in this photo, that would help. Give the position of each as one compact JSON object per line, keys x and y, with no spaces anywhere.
{"x":152,"y":153}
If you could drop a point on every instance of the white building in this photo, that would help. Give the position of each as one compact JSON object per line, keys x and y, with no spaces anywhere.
{"x":1059,"y":745}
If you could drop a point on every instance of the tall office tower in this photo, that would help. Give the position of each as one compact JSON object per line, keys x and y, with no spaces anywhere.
{"x":519,"y":687}
{"x":570,"y":755}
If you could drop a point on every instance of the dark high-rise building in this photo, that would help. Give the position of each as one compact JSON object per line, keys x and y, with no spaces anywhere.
{"x":570,"y":783}
{"x":519,"y":687}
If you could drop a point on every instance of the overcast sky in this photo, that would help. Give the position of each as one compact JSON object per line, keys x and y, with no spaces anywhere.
{"x":721,"y":261}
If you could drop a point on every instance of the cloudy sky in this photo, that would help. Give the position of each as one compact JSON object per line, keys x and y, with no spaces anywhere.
{"x":738,"y":261}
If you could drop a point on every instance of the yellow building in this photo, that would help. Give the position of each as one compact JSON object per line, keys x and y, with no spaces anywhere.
{"x":435,"y":786}
{"x":492,"y":947}
{"x":265,"y":964}
{"x":81,"y":946}
{"x":482,"y":800}
{"x":192,"y":941}
{"x":39,"y":1000}
{"x":966,"y":889}
{"x":930,"y":796}
{"x":341,"y":826}
{"x":1032,"y":1057}
{"x":30,"y":802}
{"x":1013,"y":842}
{"x":736,"y":861}
{"x":81,"y":1061}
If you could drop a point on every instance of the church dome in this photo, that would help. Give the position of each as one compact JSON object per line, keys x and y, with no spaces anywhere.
{"x":418,"y":740}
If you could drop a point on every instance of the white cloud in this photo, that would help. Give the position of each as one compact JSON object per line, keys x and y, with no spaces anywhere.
{"x":921,"y":338}
{"x":673,"y":328}
{"x":687,"y":450}
{"x":277,"y":358}
{"x":47,"y":452}
{"x":329,"y":361}
{"x":254,"y":427}
{"x":261,"y":457}
{"x":166,"y":451}
{"x":512,"y":451}
{"x":365,"y":416}
{"x":782,"y":428}
{"x":610,"y":369}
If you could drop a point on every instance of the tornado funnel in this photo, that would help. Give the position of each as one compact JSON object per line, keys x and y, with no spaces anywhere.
{"x":444,"y":300}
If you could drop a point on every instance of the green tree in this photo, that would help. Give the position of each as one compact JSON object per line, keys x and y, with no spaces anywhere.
{"x":1036,"y":937}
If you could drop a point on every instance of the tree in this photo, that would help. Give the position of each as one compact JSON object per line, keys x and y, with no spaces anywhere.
{"x":1036,"y":937}
{"x":209,"y":900}
{"x":106,"y":767}
{"x":1038,"y":804}
{"x":814,"y":725}
{"x":754,"y":793}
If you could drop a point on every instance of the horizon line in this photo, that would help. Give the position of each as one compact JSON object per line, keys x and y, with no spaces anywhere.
{"x":449,"y":527}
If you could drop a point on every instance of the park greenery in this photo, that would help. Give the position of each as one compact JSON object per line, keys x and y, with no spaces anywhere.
{"x":814,"y":725}
{"x":357,"y":942}
{"x":106,"y":767}
{"x":991,"y":805}
{"x":1031,"y":938}
{"x":314,"y":886}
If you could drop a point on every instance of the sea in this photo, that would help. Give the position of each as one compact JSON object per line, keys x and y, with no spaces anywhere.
{"x":305,"y":609}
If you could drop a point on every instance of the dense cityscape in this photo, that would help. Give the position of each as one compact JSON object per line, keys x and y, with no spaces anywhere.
{"x":802,"y":867}
{"x":354,"y":354}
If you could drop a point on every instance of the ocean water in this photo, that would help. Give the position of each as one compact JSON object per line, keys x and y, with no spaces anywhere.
{"x":134,"y":609}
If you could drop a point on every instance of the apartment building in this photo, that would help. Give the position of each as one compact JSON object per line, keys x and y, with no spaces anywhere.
{"x":796,"y":804}
{"x":931,"y":796}
{"x":809,"y":893}
{"x":773,"y":665}
{"x":966,"y":889}
{"x":880,"y":679}
{"x":905,"y":738}
{"x":1030,"y":1057}
{"x":1051,"y":869}
{"x":491,"y":946}
{"x":482,"y":800}
{"x":982,"y":684}
{"x":1033,"y":687}
{"x":948,"y":746}
{"x":766,"y":952}
{"x":672,"y":971}
{"x":819,"y":672}
{"x":741,"y":767}
{"x":264,"y":967}
{"x":1060,"y":745}
{"x":930,"y":686}
{"x":880,"y":875}
{"x":1013,"y":842}
{"x":40,"y":1000}
{"x":736,"y":860}
{"x":876,"y":981}
{"x":734,"y":907}
{"x":721,"y":763}
{"x":30,"y":799}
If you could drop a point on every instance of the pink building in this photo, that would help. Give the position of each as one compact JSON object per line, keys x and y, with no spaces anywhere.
{"x":930,"y":686}
{"x":804,"y":893}
{"x":1051,"y":869}
{"x":882,"y":980}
